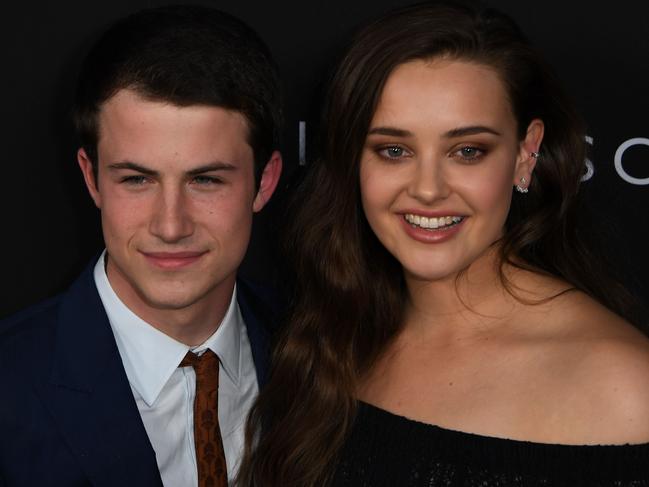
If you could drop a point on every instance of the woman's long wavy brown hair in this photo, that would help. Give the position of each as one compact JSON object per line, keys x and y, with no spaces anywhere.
{"x":350,"y":291}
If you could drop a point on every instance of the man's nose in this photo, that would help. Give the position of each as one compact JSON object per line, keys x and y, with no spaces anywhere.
{"x":171,"y":220}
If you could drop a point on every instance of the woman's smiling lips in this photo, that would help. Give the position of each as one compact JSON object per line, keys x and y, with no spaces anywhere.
{"x":173,"y":260}
{"x":430,"y":227}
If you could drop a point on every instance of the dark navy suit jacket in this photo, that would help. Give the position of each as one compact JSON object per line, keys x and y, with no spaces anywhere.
{"x":67,"y":413}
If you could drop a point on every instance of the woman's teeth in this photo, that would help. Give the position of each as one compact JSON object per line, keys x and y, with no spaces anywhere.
{"x":432,"y":222}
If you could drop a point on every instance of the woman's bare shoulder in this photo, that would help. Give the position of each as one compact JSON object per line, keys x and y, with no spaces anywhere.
{"x":602,"y":365}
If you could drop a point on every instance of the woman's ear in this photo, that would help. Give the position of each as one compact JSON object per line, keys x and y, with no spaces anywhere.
{"x":529,"y":152}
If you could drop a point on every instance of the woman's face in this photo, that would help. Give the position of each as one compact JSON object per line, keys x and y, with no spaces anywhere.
{"x":439,"y":164}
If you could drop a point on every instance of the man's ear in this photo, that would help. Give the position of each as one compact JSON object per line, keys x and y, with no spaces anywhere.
{"x":269,"y":180}
{"x":86,"y":166}
{"x":528,"y":152}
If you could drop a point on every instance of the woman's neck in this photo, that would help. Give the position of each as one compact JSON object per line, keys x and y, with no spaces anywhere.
{"x":474,"y":299}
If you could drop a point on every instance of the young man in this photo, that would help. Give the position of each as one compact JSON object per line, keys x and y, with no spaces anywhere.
{"x":118,"y":381}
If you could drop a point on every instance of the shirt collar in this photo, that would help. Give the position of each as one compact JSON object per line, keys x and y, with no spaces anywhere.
{"x":150,"y":356}
{"x":225,"y":342}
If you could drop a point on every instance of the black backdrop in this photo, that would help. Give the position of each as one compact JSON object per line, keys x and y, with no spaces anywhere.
{"x":50,"y":228}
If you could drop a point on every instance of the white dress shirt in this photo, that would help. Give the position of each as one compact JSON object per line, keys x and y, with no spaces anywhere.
{"x":164,"y":392}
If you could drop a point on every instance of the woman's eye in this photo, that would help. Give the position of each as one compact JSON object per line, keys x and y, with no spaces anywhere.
{"x":392,"y":152}
{"x":470,"y":153}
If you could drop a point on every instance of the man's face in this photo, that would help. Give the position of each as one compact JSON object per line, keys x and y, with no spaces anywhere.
{"x":176,"y":192}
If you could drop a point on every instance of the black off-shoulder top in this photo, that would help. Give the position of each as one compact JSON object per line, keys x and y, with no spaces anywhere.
{"x":385,"y":449}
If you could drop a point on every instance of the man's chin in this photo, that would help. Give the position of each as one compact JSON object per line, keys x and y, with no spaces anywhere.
{"x":169,"y":300}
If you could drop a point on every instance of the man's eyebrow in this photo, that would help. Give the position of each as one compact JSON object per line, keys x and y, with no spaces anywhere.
{"x":134,"y":167}
{"x":470,"y":130}
{"x":393,"y":131}
{"x":213,"y":166}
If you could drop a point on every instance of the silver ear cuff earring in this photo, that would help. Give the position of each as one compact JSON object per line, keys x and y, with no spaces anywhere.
{"x":521,"y":188}
{"x":534,"y":154}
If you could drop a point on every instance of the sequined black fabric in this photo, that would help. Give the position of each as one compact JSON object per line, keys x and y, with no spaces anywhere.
{"x":386,"y":450}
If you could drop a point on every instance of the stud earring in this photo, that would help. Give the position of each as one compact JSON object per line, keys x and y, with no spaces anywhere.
{"x":521,"y":188}
{"x":534,"y":154}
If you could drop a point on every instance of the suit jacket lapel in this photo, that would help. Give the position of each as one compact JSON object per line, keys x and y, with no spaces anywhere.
{"x":90,"y":397}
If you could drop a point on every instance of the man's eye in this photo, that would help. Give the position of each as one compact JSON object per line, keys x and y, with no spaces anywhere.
{"x":134,"y":180}
{"x":206,"y":180}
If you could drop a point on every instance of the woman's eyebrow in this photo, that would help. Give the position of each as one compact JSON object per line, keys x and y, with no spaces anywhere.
{"x":470,"y":130}
{"x":393,"y":131}
{"x":456,"y":132}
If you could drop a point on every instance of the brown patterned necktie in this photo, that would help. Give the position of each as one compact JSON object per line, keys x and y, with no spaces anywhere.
{"x":210,"y":457}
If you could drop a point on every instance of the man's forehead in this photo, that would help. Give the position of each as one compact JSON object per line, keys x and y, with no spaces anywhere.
{"x":138,"y":97}
{"x":152,"y":132}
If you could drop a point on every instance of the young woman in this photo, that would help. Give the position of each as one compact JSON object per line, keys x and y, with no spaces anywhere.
{"x":449,"y":327}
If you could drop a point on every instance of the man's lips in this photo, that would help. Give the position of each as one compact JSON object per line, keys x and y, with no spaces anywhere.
{"x":173,"y":260}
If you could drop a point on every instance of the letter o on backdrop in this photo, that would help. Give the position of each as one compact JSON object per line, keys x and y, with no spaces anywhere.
{"x":618,"y":161}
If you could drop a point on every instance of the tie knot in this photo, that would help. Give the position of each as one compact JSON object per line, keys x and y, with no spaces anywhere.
{"x":207,"y":361}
